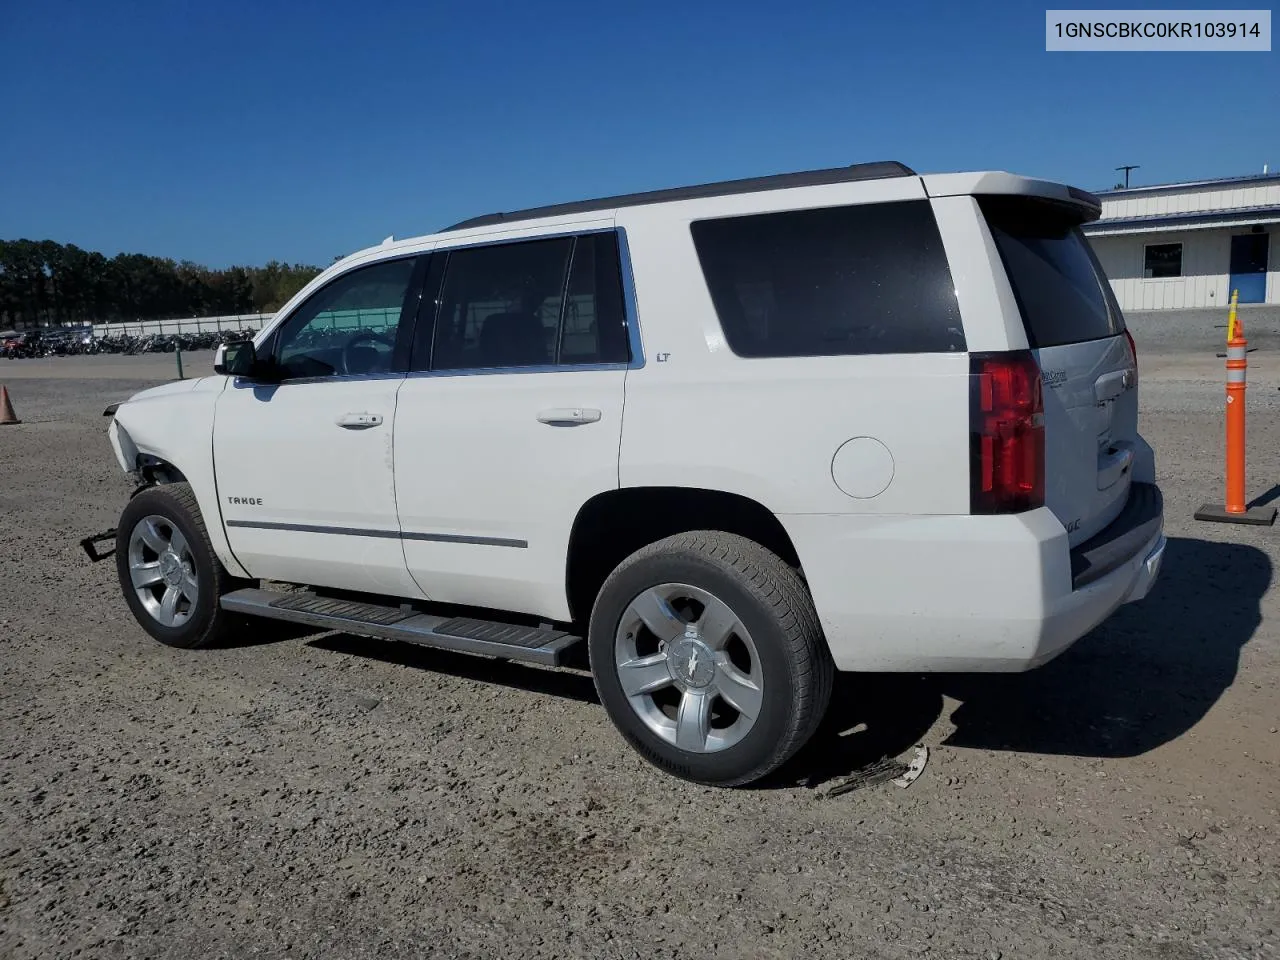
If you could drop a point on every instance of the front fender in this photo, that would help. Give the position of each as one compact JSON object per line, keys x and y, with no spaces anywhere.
{"x":122,"y":445}
{"x":174,"y":423}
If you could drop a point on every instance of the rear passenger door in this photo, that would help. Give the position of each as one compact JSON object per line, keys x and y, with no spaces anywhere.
{"x":511,"y":416}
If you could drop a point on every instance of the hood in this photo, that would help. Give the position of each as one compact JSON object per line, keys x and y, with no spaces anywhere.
{"x":166,"y":390}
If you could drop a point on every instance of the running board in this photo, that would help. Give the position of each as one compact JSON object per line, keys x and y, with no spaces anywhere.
{"x":491,"y":638}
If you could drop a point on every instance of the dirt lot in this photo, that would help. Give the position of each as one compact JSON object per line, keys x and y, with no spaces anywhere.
{"x":324,"y":796}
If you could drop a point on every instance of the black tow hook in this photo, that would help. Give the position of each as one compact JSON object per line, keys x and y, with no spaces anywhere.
{"x":90,"y":545}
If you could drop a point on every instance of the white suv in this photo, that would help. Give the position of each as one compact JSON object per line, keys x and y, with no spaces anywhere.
{"x":737,"y":436}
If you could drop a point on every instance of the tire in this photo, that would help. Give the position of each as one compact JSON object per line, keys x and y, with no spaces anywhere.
{"x":161,"y":512}
{"x":744,"y":639}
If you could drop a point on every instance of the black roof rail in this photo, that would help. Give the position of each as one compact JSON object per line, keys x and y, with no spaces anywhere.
{"x":809,"y":178}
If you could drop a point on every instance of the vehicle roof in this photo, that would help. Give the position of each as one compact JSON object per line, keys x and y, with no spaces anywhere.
{"x":561,"y":214}
{"x":878,"y":170}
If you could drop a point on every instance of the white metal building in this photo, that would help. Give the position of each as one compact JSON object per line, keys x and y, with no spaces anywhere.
{"x":1190,"y":244}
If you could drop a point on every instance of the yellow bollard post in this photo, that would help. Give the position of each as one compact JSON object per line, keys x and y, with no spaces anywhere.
{"x":1231,"y":316}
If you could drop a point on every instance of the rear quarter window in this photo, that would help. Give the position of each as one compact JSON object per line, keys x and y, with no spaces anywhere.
{"x":868,"y":279}
{"x":1060,"y":287}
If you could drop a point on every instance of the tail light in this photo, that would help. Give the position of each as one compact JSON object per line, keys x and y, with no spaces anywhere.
{"x":1133,"y":352}
{"x":1006,"y":429}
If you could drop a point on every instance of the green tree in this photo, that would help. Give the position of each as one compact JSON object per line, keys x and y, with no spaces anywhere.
{"x":48,"y":282}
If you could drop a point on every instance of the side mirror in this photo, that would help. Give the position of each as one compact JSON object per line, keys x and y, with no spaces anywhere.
{"x":236,"y":359}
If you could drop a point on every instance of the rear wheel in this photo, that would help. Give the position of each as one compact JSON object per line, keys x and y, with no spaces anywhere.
{"x":170,"y":576}
{"x":708,"y":656}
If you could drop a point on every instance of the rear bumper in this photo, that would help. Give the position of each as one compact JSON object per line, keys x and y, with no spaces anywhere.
{"x":1148,"y":572}
{"x":1140,"y":520}
{"x":970,"y":593}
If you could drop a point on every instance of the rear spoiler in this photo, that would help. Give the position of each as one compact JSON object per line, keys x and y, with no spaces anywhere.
{"x":1085,"y":204}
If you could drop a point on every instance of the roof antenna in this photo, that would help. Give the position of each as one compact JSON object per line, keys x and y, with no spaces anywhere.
{"x":388,"y":240}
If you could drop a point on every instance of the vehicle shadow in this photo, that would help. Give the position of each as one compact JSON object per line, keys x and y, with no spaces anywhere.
{"x":1142,"y":679}
{"x":872,"y":716}
{"x":259,"y":631}
{"x":571,"y":685}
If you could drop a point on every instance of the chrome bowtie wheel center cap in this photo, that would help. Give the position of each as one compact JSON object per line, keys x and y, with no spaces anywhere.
{"x":693,"y":663}
{"x":171,"y":568}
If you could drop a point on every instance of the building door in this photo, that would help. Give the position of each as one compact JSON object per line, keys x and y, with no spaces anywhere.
{"x":1249,"y":266}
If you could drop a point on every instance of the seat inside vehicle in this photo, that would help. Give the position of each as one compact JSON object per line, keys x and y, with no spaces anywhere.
{"x":512,"y":340}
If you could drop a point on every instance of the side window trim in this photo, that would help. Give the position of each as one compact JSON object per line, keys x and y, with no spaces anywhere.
{"x":433,"y":285}
{"x":564,"y":301}
{"x":410,"y":311}
{"x":424,"y":326}
{"x":513,"y":371}
{"x":630,"y":306}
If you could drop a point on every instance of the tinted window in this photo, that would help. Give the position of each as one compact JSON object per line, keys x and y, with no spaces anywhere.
{"x":594,"y":329}
{"x":1162,"y":260}
{"x":508,"y":305}
{"x":840,"y":280}
{"x":500,"y":305}
{"x":349,"y":326}
{"x":1059,"y":284}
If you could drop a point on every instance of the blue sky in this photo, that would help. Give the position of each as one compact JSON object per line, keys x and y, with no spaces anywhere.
{"x":226,"y":131}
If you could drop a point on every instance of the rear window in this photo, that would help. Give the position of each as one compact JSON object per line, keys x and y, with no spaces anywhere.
{"x":1061,"y":289}
{"x":834,"y":281}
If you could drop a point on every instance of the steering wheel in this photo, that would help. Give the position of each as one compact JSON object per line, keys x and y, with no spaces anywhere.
{"x":361,"y":336}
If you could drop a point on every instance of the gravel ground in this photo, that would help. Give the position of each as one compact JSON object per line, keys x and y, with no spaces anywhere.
{"x":324,"y":796}
{"x":1203,"y":331}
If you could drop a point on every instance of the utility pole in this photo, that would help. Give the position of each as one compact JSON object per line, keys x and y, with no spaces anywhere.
{"x":1126,"y":169}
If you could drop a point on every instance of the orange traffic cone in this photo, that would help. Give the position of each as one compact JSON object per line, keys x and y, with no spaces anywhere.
{"x":1234,"y":509}
{"x":6,"y":408}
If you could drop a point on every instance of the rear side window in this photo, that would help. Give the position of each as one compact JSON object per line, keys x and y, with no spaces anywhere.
{"x":1061,"y":289}
{"x":530,"y":303}
{"x":500,"y":306}
{"x":839,"y":280}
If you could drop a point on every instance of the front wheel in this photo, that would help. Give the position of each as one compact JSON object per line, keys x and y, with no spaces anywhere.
{"x":707,"y":654}
{"x":171,"y":578}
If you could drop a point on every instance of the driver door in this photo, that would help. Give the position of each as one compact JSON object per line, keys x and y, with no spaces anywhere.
{"x":303,"y":457}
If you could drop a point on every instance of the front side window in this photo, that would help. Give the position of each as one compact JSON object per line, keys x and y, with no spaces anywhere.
{"x":868,"y":279}
{"x":1162,"y":260}
{"x":348,"y":327}
{"x":530,"y":303}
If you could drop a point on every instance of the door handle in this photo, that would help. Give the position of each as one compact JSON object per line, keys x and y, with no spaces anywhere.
{"x":359,"y":421}
{"x":1111,"y":385}
{"x":564,"y":416}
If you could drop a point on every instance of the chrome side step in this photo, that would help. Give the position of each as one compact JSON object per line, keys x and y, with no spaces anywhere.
{"x":507,"y":641}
